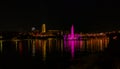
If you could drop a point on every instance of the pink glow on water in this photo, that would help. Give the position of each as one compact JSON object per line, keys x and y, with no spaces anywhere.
{"x":71,"y":42}
{"x":73,"y":46}
{"x":72,"y":49}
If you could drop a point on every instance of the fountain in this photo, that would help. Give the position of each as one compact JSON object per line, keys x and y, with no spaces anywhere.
{"x":72,"y":36}
{"x":72,"y":32}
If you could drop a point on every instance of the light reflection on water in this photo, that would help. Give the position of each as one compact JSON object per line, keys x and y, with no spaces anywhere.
{"x":44,"y":48}
{"x":1,"y":45}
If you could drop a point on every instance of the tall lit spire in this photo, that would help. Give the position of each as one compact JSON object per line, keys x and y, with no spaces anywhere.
{"x":72,"y":31}
{"x":43,"y":28}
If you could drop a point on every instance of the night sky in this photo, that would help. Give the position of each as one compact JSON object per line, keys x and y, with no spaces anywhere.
{"x":86,"y":15}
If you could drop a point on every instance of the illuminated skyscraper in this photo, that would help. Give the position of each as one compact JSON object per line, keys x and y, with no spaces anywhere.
{"x":43,"y":28}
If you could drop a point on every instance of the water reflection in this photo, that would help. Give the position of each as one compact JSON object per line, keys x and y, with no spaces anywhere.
{"x":16,"y":44}
{"x":29,"y":43}
{"x":62,"y":45}
{"x":20,"y":48}
{"x":1,"y":45}
{"x":33,"y":48}
{"x":94,"y":45}
{"x":49,"y":44}
{"x":44,"y":48}
{"x":39,"y":46}
{"x":72,"y":43}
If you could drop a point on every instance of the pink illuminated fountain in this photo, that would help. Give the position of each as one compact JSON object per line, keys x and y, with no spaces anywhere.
{"x":72,"y":33}
{"x":72,"y":36}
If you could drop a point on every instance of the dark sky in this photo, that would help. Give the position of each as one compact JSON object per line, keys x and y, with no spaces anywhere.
{"x":86,"y":15}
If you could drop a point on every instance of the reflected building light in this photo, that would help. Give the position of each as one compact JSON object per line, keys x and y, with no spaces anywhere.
{"x":20,"y":48}
{"x":44,"y":50}
{"x":98,"y":45}
{"x":37,"y":44}
{"x":81,"y":44}
{"x":84,"y":45}
{"x":106,"y":43}
{"x":1,"y":46}
{"x":50,"y":44}
{"x":101,"y":47}
{"x":58,"y":44}
{"x":81,"y":47}
{"x":87,"y":44}
{"x":61,"y":45}
{"x":92,"y":43}
{"x":29,"y":44}
{"x":33,"y":48}
{"x":16,"y":44}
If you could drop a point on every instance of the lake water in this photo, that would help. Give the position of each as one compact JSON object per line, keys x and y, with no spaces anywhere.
{"x":48,"y":51}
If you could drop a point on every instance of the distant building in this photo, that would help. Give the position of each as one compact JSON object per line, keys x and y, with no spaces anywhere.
{"x":48,"y":33}
{"x":54,"y":31}
{"x":43,"y":28}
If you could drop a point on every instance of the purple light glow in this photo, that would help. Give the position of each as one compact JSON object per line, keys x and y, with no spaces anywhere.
{"x":72,"y":36}
{"x":72,"y":32}
{"x":72,"y":46}
{"x":72,"y":49}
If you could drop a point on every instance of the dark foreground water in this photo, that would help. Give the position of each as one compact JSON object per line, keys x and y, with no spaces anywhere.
{"x":52,"y":53}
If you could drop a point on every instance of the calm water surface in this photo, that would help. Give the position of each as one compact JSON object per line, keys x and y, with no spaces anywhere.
{"x":49,"y":50}
{"x":44,"y":48}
